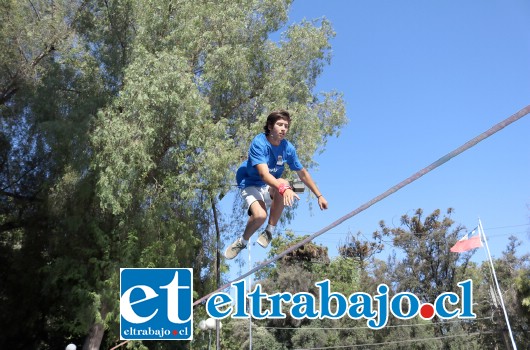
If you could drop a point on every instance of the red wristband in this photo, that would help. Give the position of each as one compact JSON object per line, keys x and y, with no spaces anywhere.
{"x":282,"y":188}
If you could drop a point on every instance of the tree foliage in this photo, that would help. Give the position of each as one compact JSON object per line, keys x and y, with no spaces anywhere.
{"x":120,"y":123}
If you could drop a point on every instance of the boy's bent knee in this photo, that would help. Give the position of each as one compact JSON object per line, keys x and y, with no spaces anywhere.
{"x":260,"y":215}
{"x":258,"y":211}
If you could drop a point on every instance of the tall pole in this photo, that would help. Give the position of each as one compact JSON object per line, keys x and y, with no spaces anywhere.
{"x":249,"y":289}
{"x":497,"y":284}
{"x":217,"y":268}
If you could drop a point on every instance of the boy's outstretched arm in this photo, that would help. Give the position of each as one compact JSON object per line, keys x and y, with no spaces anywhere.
{"x":308,"y":181}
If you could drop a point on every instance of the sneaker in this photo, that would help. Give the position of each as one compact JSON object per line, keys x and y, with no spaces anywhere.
{"x":234,"y":249}
{"x":264,"y":239}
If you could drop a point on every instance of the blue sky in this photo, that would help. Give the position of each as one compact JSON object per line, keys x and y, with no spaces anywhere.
{"x":421,"y":78}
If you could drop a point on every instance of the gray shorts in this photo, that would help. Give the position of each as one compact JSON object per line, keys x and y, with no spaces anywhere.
{"x":254,"y":193}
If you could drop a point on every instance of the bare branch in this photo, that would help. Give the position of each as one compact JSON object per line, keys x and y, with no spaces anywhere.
{"x":34,"y":9}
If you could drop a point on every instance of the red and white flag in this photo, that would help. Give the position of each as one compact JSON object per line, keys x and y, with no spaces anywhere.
{"x":466,"y":243}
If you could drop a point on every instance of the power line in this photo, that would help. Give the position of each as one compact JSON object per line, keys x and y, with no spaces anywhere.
{"x":488,"y":229}
{"x":366,"y":327}
{"x":503,"y":227}
{"x":497,"y":127}
{"x":398,"y":341}
{"x":389,"y":241}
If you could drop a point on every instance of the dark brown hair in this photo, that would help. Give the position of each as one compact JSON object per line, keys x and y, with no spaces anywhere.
{"x":273,"y":118}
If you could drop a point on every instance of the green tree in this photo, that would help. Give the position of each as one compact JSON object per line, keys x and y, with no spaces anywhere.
{"x":50,"y":86}
{"x":310,"y":336}
{"x":435,"y":233}
{"x":120,"y":122}
{"x":426,"y":267}
{"x":509,"y":268}
{"x":422,"y":264}
{"x":202,"y":78}
{"x":298,"y":272}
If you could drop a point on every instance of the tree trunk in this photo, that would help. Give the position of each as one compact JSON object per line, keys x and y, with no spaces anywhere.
{"x":94,"y":337}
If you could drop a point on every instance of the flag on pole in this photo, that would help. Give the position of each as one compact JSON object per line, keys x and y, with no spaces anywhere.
{"x":466,"y":243}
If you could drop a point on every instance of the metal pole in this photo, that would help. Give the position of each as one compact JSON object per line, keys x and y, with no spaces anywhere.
{"x":217,"y":270}
{"x":249,"y":289}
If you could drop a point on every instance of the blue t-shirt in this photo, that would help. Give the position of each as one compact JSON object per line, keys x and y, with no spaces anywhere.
{"x":261,"y":151}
